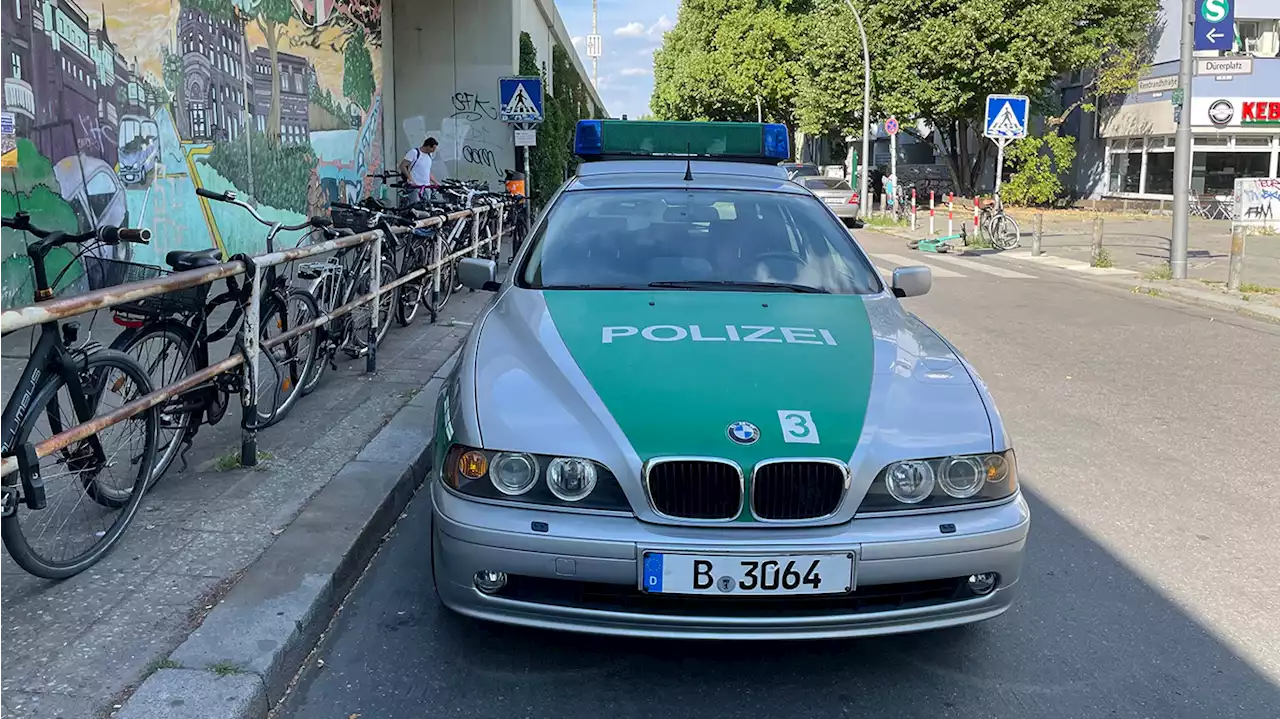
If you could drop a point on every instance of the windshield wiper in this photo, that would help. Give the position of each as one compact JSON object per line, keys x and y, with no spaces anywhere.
{"x":586,"y":287}
{"x":740,"y":284}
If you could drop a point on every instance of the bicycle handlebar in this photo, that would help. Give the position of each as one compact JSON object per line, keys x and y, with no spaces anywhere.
{"x":230,"y":198}
{"x":108,"y":234}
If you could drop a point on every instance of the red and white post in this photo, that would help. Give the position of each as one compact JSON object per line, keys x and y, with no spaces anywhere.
{"x":976,"y":212}
{"x":931,"y":227}
{"x":913,"y":208}
{"x":951,"y":214}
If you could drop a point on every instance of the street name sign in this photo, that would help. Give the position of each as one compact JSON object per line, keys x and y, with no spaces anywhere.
{"x":1224,"y":66}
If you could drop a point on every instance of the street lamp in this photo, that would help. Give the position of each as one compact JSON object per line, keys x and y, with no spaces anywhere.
{"x":866,"y":108}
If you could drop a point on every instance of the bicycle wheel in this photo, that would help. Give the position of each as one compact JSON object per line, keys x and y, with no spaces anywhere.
{"x":294,"y":357}
{"x":1005,"y":234}
{"x":447,"y":283}
{"x":165,"y":351}
{"x":410,"y":293}
{"x":43,"y":542}
{"x":361,"y":317}
{"x":325,"y":290}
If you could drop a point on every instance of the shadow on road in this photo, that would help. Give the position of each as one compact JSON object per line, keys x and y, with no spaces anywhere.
{"x":1088,"y":638}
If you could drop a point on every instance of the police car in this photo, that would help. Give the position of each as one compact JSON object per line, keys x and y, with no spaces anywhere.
{"x":693,"y":408}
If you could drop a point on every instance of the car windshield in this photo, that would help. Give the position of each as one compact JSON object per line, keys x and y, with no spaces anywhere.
{"x":826,"y":183}
{"x":695,"y":239}
{"x":803,"y":170}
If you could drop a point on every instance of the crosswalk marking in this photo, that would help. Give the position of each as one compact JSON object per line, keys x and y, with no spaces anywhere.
{"x":908,"y":261}
{"x":981,"y":267}
{"x":1063,"y":263}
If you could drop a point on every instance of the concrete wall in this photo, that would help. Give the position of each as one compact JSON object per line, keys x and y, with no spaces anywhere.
{"x":446,"y":63}
{"x":123,"y":108}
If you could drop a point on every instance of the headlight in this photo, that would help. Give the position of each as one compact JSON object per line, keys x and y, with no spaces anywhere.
{"x":533,"y":479}
{"x":571,"y":479}
{"x":942,"y":482}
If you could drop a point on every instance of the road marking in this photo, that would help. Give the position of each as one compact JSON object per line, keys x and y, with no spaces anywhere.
{"x":1063,"y":263}
{"x":909,"y":261}
{"x":981,"y":267}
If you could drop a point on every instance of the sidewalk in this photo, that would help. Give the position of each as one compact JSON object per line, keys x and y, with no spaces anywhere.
{"x":76,"y":649}
{"x":1138,"y":247}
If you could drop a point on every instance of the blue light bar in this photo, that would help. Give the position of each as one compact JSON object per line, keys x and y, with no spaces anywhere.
{"x":742,"y":141}
{"x":588,"y":139}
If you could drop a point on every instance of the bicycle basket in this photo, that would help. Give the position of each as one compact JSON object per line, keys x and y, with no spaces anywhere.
{"x":349,"y":219}
{"x":103,"y":273}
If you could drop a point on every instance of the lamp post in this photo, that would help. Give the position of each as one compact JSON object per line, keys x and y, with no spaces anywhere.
{"x":866,"y":108}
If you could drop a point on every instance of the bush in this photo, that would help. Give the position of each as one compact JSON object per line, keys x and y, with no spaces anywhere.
{"x":1041,"y":161}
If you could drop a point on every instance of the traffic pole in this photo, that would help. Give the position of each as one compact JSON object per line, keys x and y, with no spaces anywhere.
{"x":1182,"y":147}
{"x":975,"y":216}
{"x":913,"y":208}
{"x":931,"y":229}
{"x":951,"y":213}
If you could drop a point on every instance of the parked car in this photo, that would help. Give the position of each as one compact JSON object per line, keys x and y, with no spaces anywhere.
{"x":694,"y":409}
{"x":836,"y":193}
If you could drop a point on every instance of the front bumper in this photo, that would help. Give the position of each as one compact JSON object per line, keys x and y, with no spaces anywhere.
{"x":588,"y":552}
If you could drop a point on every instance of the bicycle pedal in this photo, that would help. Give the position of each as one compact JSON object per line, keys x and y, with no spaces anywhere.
{"x":32,"y":483}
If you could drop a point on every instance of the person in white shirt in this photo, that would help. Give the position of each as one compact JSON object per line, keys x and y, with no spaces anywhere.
{"x":415,"y":168}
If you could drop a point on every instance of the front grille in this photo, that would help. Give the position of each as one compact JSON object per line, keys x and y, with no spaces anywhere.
{"x":627,"y":598}
{"x":796,"y":490}
{"x":695,"y":489}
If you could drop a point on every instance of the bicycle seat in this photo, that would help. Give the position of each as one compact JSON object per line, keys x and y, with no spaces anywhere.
{"x":181,"y":260}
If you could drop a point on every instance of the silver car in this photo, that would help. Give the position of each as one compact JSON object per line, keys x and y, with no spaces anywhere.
{"x":836,"y":193}
{"x":694,"y":409}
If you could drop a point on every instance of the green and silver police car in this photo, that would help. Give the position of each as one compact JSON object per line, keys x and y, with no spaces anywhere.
{"x":693,"y":408}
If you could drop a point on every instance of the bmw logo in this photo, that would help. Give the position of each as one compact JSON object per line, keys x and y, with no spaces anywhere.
{"x":744,"y":433}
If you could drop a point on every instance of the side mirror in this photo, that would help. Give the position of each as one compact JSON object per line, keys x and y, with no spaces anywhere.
{"x":478,"y":274}
{"x":911,"y":281}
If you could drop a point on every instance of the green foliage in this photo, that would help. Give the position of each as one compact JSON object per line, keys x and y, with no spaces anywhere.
{"x":357,"y":70}
{"x":552,"y":160}
{"x":1041,"y":162}
{"x":31,"y":188}
{"x":280,"y":172}
{"x":322,"y":97}
{"x":723,"y":54}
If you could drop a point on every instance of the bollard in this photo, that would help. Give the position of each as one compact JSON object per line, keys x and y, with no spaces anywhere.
{"x":913,"y":208}
{"x":1035,"y":240}
{"x":1096,"y":251}
{"x":976,"y":229}
{"x":1236,"y":267}
{"x":497,"y":248}
{"x":951,"y":213}
{"x":932,"y":231}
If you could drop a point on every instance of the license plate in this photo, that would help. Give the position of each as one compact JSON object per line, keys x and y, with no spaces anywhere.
{"x":835,"y":201}
{"x":730,"y":575}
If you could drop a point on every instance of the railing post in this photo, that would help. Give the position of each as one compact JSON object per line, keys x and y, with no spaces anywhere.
{"x":497,"y":250}
{"x":435,"y":272}
{"x":249,"y":392}
{"x":371,"y":359}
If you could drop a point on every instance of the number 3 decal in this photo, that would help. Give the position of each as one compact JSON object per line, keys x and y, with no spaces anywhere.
{"x":797,"y":426}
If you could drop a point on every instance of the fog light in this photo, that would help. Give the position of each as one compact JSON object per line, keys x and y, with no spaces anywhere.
{"x":493,"y":582}
{"x":979,"y":584}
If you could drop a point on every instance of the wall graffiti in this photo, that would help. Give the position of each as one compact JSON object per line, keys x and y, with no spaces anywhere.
{"x":122,"y":109}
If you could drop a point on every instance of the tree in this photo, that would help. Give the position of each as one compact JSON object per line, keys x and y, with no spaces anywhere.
{"x":357,"y":70}
{"x":724,"y":54}
{"x":272,"y":17}
{"x":937,"y":60}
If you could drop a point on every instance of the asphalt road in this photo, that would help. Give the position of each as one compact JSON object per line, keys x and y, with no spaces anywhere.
{"x":1145,"y":433}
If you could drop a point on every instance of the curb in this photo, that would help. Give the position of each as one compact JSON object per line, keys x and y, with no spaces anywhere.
{"x":238,"y":663}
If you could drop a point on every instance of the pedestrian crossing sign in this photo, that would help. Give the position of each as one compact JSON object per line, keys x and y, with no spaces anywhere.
{"x":520,"y":99}
{"x":1006,"y":117}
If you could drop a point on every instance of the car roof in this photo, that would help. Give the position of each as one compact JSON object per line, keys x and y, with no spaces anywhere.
{"x":660,"y":173}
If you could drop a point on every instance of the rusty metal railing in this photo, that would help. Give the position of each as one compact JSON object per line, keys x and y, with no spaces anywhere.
{"x":65,"y":307}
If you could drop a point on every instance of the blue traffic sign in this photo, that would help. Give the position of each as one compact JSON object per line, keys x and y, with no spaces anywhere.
{"x":1215,"y":24}
{"x":1006,"y":116}
{"x":520,"y":99}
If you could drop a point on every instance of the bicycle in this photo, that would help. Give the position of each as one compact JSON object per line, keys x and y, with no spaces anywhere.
{"x":170,"y":335}
{"x":999,"y":229}
{"x":85,"y":376}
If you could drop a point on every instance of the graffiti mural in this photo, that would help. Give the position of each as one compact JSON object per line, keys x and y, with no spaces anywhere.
{"x":1257,"y":204}
{"x":121,"y":110}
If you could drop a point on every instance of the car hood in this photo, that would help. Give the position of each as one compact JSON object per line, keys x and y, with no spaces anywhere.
{"x":622,"y":377}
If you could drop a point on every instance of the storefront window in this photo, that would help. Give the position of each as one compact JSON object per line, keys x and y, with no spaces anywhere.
{"x":1159,"y":173}
{"x":1216,"y":172}
{"x":1126,"y":171}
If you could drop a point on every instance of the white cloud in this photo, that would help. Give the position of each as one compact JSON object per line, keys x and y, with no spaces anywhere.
{"x":631,"y":29}
{"x":661,"y":26}
{"x":634,"y":71}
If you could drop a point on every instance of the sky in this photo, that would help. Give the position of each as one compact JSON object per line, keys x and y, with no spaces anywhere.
{"x":630,"y":31}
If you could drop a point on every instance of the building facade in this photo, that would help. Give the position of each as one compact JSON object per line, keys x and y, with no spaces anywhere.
{"x":213,"y":79}
{"x":296,"y":76}
{"x":1126,"y":149}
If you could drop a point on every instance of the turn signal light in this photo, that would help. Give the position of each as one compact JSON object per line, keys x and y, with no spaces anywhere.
{"x":473,"y":465}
